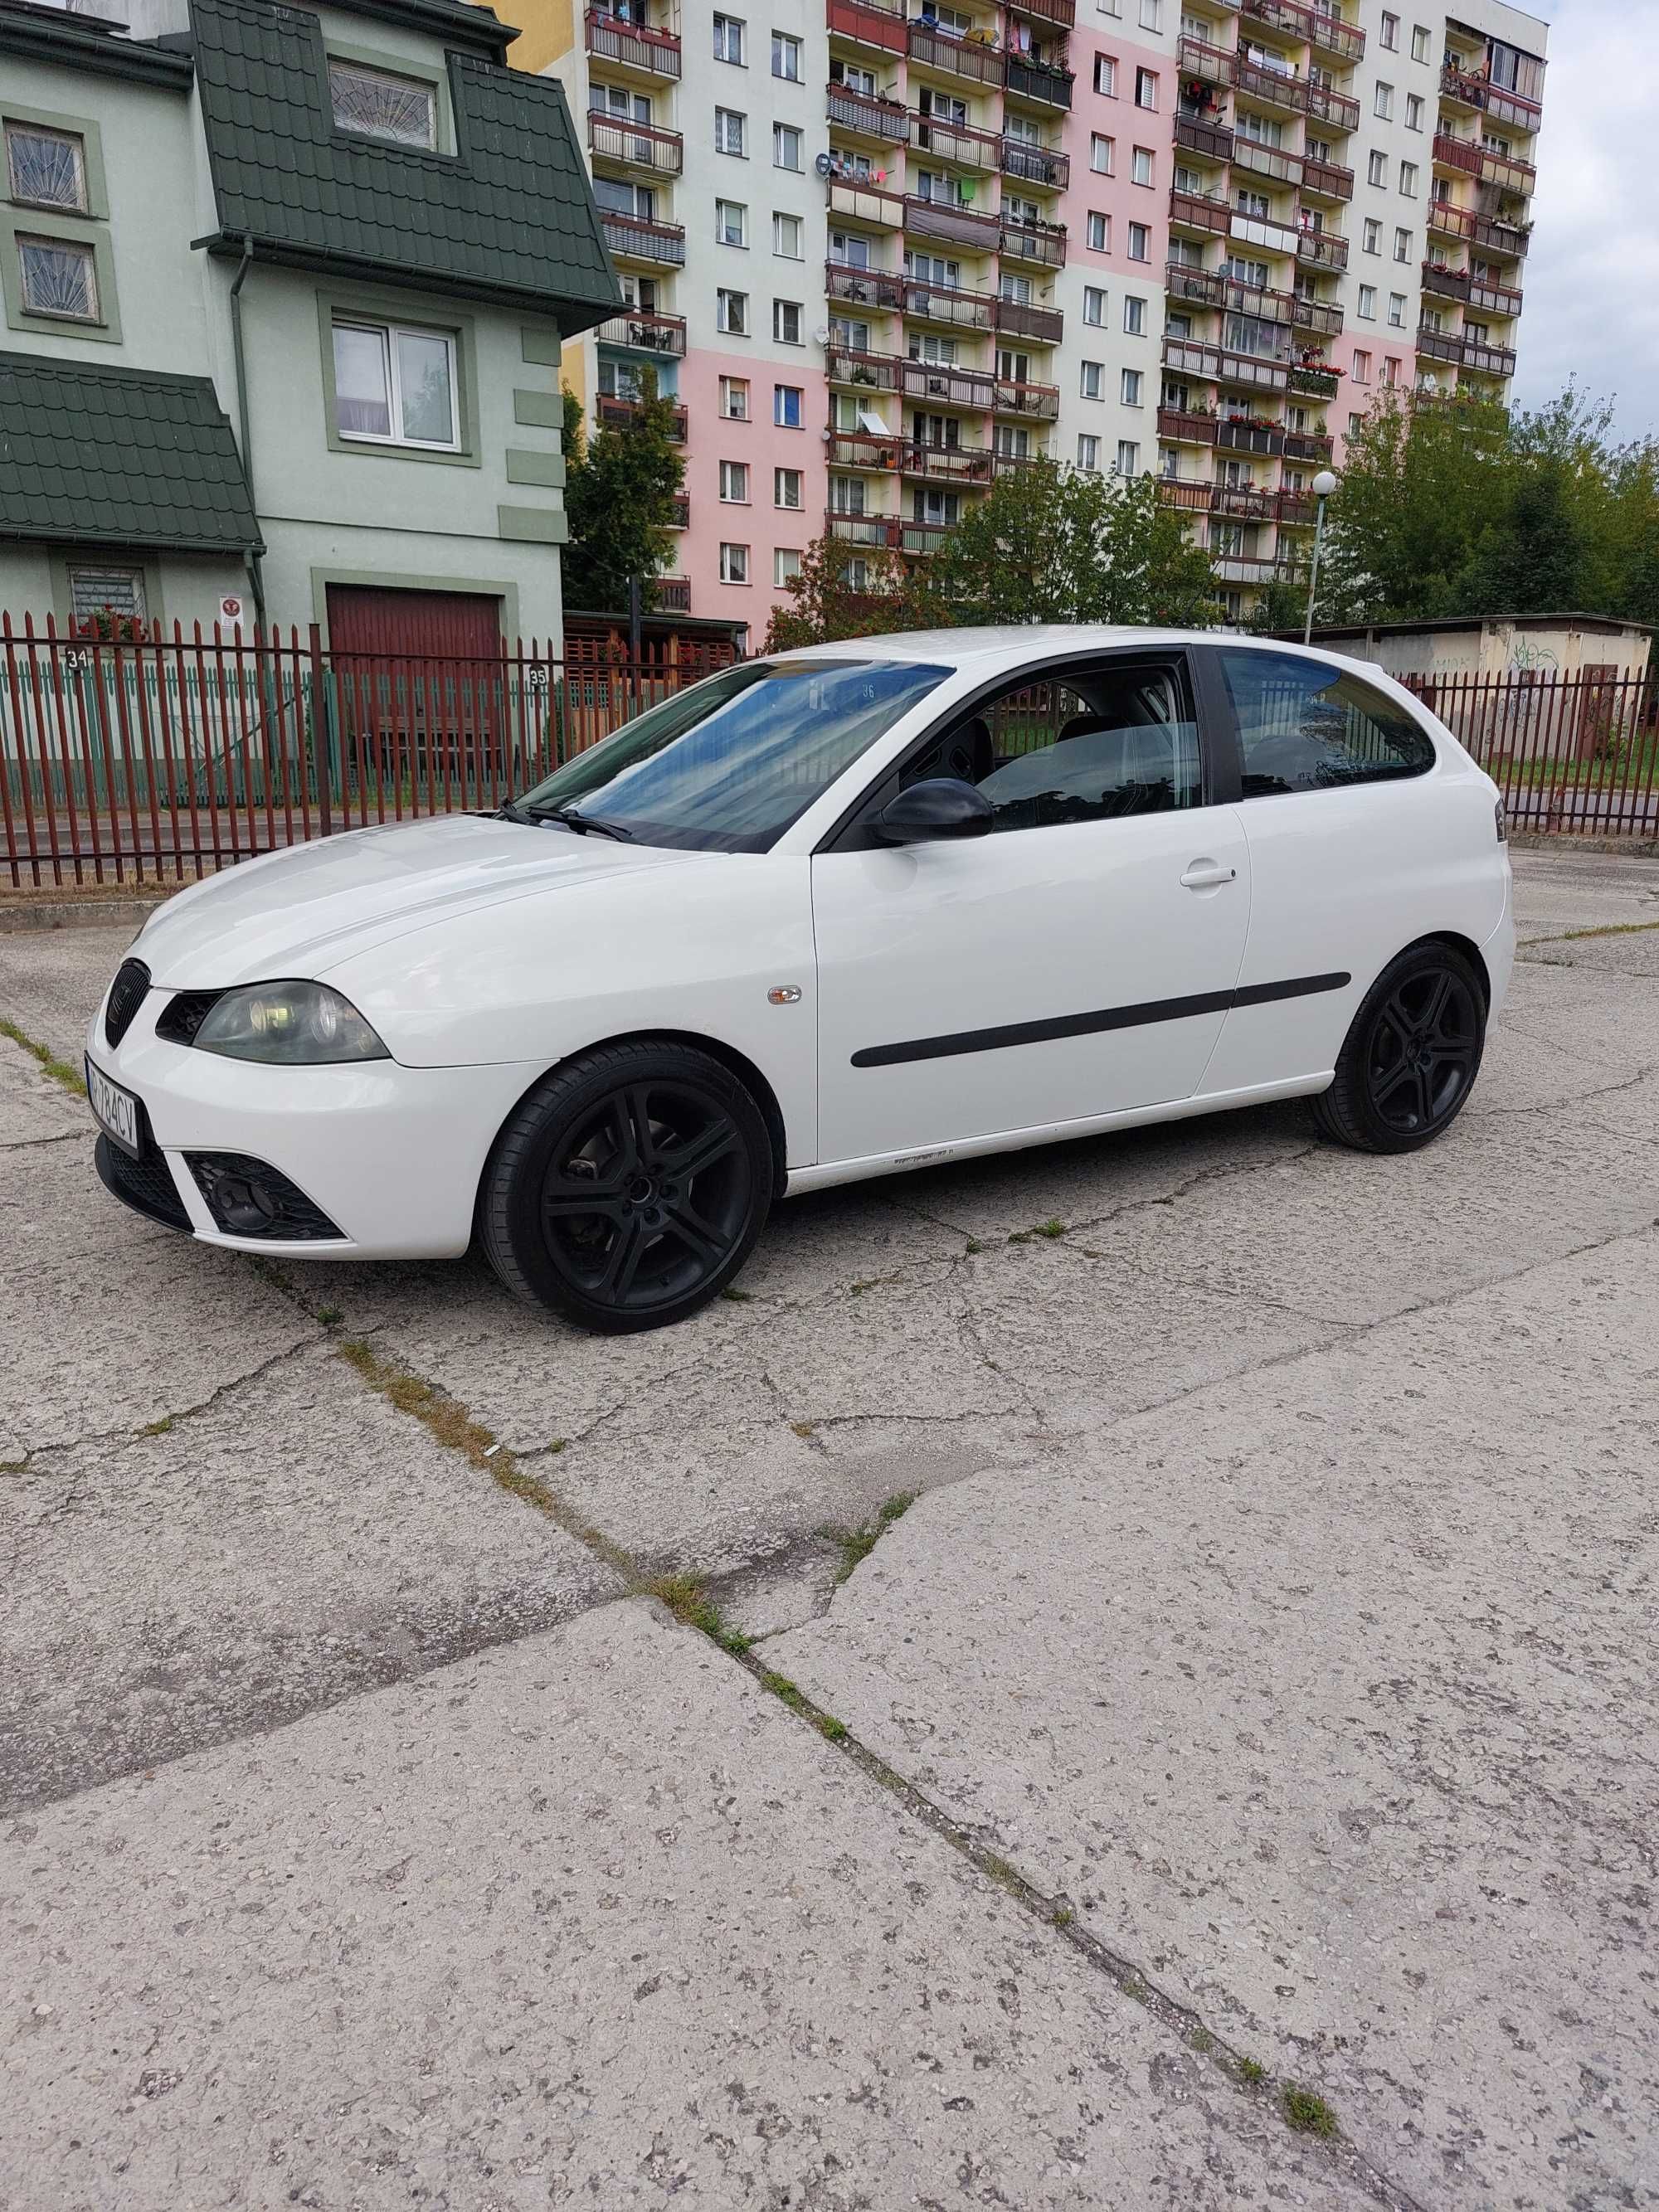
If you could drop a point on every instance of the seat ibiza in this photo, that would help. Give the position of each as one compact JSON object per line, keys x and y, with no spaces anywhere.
{"x":825,"y":915}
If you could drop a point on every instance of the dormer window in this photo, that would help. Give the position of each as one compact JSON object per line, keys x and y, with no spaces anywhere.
{"x":46,"y":168}
{"x":373,"y":103}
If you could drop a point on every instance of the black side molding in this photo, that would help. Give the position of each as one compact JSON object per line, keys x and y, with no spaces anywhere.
{"x":1090,"y":1025}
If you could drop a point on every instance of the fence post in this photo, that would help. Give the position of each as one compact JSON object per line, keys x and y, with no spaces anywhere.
{"x":317,"y":725}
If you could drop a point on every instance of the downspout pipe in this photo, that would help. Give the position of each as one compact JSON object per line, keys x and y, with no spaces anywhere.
{"x":240,"y":358}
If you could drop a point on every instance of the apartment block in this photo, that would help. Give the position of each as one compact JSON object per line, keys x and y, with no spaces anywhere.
{"x":879,"y":254}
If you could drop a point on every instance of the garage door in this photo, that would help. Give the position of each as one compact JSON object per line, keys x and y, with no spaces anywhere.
{"x":417,"y":685}
{"x":373,"y":619}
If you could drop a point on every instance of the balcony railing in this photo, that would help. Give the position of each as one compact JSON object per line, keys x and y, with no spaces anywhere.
{"x":1043,"y":243}
{"x":1200,"y":211}
{"x":1475,"y":160}
{"x":1242,"y":502}
{"x":1478,"y":291}
{"x":1237,"y":434}
{"x":1266,"y":161}
{"x":864,"y":288}
{"x":1272,"y":88}
{"x":632,"y":45}
{"x":1211,"y":141}
{"x":1219,"y":364}
{"x":1030,"y":164}
{"x":1212,"y":288}
{"x":1038,"y":80}
{"x":868,"y":24}
{"x":637,"y":145}
{"x":1326,"y":181}
{"x":851,"y":201}
{"x":955,"y":226}
{"x":641,"y":237}
{"x":864,"y":116}
{"x":672,"y":594}
{"x":617,"y":414}
{"x":1508,"y":239}
{"x":946,"y":463}
{"x":1197,"y":58}
{"x":1314,"y":381}
{"x":642,"y":331}
{"x":939,"y":383}
{"x":1317,"y":315}
{"x":1245,"y":567}
{"x":1263,"y":230}
{"x":679,"y":512}
{"x":1190,"y":493}
{"x":965,"y":57}
{"x":962,"y":144}
{"x":866,"y":372}
{"x":1323,"y":249}
{"x":1317,"y":27}
{"x":962,"y":306}
{"x":1465,"y":352}
{"x":856,"y":528}
{"x":1038,"y":401}
{"x":1340,"y":110}
{"x":1020,"y":318}
{"x":1465,"y":90}
{"x":1309,"y":446}
{"x":1183,"y":427}
{"x":1295,"y":508}
{"x":863,"y":449}
{"x":1063,"y":12}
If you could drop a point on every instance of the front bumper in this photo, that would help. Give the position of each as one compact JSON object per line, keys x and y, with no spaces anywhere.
{"x":390,"y":1155}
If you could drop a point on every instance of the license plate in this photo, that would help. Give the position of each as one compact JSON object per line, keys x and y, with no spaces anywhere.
{"x":116,"y":1110}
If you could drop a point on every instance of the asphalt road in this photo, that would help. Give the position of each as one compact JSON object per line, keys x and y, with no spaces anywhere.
{"x":1259,"y":1694}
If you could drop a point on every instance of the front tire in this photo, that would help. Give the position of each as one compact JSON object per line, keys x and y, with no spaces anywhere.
{"x":1412,"y":1051}
{"x":629,"y":1187}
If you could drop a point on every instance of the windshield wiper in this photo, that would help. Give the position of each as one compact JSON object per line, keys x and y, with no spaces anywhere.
{"x":568,"y":818}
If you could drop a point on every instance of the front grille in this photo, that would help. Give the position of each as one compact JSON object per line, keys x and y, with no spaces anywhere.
{"x":146,"y":1184}
{"x":184,"y":1014}
{"x":126,"y":995}
{"x":246,"y":1197}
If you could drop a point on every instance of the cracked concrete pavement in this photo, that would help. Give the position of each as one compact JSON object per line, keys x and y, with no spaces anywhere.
{"x":1263,"y":1673}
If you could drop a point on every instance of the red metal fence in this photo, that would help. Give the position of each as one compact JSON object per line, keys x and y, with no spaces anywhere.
{"x":128,"y":759}
{"x":151,"y":758}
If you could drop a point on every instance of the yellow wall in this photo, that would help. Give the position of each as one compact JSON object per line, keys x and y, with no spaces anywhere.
{"x":548,"y":29}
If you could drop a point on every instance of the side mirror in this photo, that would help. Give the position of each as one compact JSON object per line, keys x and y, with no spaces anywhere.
{"x":938,"y":807}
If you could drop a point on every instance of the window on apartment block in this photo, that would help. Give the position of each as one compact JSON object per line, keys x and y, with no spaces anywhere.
{"x":1388,"y":35}
{"x":395,"y":386}
{"x":789,"y":400}
{"x":785,"y":146}
{"x":1094,"y":304}
{"x":1098,"y":232}
{"x":1146,"y":88}
{"x":1391,"y":371}
{"x":47,"y":168}
{"x":1408,"y":179}
{"x":1140,"y":242}
{"x":734,"y":398}
{"x":1152,"y":14}
{"x":785,"y":488}
{"x":1377,"y":168}
{"x":785,"y":565}
{"x":731,"y":223}
{"x":1413,"y":111}
{"x":787,"y":322}
{"x":732,"y":313}
{"x":1101,"y":150}
{"x":786,"y":57}
{"x":1134,"y":316}
{"x":1106,"y":76}
{"x":1092,"y":381}
{"x":1367,"y":307}
{"x":734,"y":482}
{"x":1087,"y":454}
{"x":1402,"y":244}
{"x":731,"y":132}
{"x":1362,"y":368}
{"x":1141,"y":166}
{"x":1397,"y":310}
{"x":1419,"y":42}
{"x":787,"y":238}
{"x":1129,"y":388}
{"x":373,"y":103}
{"x":1383,"y":100}
{"x":1370,"y":237}
{"x":728,"y":39}
{"x":734,"y":564}
{"x":1129,"y":458}
{"x":60,"y":277}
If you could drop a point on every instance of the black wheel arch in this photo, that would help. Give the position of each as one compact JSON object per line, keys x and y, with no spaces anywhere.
{"x":1458,"y":942}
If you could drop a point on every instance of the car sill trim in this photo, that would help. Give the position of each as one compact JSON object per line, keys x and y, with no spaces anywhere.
{"x":1093,"y":1023}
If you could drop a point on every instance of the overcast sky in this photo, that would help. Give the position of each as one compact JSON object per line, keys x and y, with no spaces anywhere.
{"x":1592,"y":275}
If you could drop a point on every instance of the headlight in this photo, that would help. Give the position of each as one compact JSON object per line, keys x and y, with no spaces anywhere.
{"x":297,"y":1025}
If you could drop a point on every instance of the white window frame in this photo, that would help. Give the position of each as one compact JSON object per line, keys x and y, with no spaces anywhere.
{"x":18,"y":129}
{"x":338,"y":65}
{"x":388,"y":334}
{"x":734,"y":483}
{"x":787,"y":137}
{"x":730,"y":140}
{"x":725,"y":299}
{"x":78,"y":249}
{"x":734,"y":558}
{"x":738,"y":27}
{"x":723,"y":210}
{"x":785,"y":44}
{"x":784,"y":480}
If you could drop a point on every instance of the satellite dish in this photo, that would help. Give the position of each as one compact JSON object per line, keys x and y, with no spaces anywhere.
{"x":824,"y":164}
{"x":821,"y":337}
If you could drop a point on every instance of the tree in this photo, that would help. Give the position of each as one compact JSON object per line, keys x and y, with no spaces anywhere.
{"x":824,"y":604}
{"x":620,"y":488}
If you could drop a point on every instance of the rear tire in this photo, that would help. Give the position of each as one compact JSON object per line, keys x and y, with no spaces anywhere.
{"x":1411,"y":1056}
{"x":629,"y":1187}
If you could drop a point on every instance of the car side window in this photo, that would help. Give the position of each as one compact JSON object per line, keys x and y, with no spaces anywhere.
{"x":1308,"y":725}
{"x":1087,"y":744}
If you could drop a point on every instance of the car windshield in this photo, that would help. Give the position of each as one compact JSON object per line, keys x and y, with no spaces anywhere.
{"x":729,"y":764}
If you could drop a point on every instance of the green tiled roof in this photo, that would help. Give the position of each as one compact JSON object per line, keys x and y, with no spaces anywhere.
{"x":118,"y":457}
{"x":509,"y":217}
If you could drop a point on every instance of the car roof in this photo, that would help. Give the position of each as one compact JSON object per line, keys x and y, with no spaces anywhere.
{"x":1016,"y":641}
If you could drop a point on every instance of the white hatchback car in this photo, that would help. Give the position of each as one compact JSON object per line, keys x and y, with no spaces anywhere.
{"x":823,"y":915}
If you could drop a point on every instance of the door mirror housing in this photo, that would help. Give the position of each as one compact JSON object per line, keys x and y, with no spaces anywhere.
{"x":938,"y":807}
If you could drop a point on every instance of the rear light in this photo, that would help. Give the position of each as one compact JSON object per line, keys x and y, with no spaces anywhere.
{"x":1502,"y":826}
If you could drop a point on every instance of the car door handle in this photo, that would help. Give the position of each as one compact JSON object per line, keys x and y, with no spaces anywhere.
{"x":1205,"y":875}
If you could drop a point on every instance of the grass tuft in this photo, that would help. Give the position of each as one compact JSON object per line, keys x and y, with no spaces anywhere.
{"x":61,"y":1073}
{"x":857,"y":1544}
{"x":558,"y":1444}
{"x":157,"y":1428}
{"x":329,"y":1315}
{"x":689,"y":1602}
{"x":738,"y":1298}
{"x":972,"y":1246}
{"x":1252,"y":2070}
{"x":1306,"y":2112}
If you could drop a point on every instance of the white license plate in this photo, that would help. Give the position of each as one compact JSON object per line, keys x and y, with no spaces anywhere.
{"x":115,"y":1110}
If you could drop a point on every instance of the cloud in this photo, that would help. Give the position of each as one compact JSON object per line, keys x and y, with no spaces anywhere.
{"x":1592,"y":275}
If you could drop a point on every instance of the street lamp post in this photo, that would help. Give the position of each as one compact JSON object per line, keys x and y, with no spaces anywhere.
{"x":1323,"y":485}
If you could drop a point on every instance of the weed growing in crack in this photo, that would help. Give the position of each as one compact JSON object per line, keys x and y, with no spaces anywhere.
{"x":1252,"y":2070}
{"x":1306,"y":2112}
{"x":804,"y":1428}
{"x":788,"y":1693}
{"x":857,"y":1544}
{"x":329,"y":1316}
{"x":1201,"y":2041}
{"x":738,"y":1298}
{"x":1050,"y":1228}
{"x":1063,"y":1916}
{"x":157,"y":1428}
{"x":689,"y":1602}
{"x":972,"y":1246}
{"x":858,"y":1290}
{"x":47,"y":1060}
{"x":558,"y":1444}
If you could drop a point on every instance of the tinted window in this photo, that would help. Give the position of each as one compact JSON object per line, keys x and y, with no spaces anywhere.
{"x":1306,"y":725}
{"x":1089,"y":745}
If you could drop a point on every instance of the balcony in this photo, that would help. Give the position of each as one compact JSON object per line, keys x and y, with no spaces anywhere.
{"x":865,"y":205}
{"x":642,"y":331}
{"x":1323,"y":249}
{"x":1040,"y":83}
{"x":1218,"y":364}
{"x":948,"y":465}
{"x":881,"y":289}
{"x":1325,"y":318}
{"x":1241,"y":433}
{"x":864,"y":531}
{"x":1041,"y":244}
{"x":1325,"y":180}
{"x":1309,"y":446}
{"x":1191,"y":493}
{"x":1210,"y":288}
{"x":1474,"y":160}
{"x":1510,"y":239}
{"x":1210,"y":141}
{"x":1060,"y":12}
{"x":1267,"y":162}
{"x":1465,"y":353}
{"x":868,"y":450}
{"x":1036,"y":402}
{"x":1314,"y":26}
{"x":953,"y":225}
{"x":617,"y":415}
{"x":1200,"y":211}
{"x":1464,"y":88}
{"x":863,"y":372}
{"x":1018,"y":318}
{"x":969,"y":58}
{"x":1339,"y":110}
{"x":1198,"y":58}
{"x":679,"y":512}
{"x":641,"y":237}
{"x":1242,"y":502}
{"x":1183,"y":427}
{"x":861,"y":115}
{"x":1245,"y":567}
{"x":1313,"y":381}
{"x":867,"y":23}
{"x":960,"y":143}
{"x":634,"y":145}
{"x":1263,"y":231}
{"x":958,"y":306}
{"x":939,"y":384}
{"x":1272,"y":88}
{"x":1044,"y":166}
{"x":1479,"y":292}
{"x":632,"y":46}
{"x":1294,"y":509}
{"x":671,"y":594}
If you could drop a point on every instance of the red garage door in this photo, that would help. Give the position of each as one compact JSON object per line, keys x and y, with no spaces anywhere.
{"x":419,"y":681}
{"x":365,"y":618}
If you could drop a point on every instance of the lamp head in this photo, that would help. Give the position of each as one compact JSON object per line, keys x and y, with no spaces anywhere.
{"x":1324,"y":484}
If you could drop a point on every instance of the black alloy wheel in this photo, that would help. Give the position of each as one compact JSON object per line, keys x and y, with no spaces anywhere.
{"x":629,"y":1187}
{"x":1410,"y":1055}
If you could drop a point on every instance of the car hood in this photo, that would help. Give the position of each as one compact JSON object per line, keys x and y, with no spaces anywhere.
{"x":303,"y":911}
